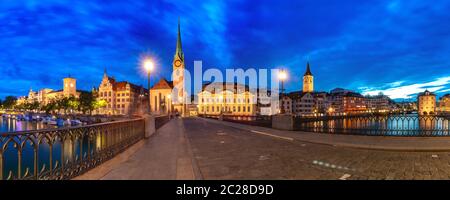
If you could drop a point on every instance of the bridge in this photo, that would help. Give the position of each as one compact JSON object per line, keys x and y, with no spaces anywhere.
{"x":202,"y":148}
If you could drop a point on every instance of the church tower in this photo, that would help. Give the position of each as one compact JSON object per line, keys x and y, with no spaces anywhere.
{"x":308,"y":80}
{"x":70,"y":86}
{"x":178,"y":75}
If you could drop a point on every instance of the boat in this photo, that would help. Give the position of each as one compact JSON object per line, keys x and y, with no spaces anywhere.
{"x":46,"y":120}
{"x":75,"y":122}
{"x":52,"y":122}
{"x":60,"y":122}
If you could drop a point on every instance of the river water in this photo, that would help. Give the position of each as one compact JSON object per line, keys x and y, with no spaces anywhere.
{"x":11,"y":125}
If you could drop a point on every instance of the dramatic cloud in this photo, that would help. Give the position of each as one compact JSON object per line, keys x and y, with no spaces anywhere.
{"x":397,"y":90}
{"x":373,"y":45}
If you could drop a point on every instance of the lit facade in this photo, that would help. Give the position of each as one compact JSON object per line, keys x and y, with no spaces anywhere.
{"x":426,"y":103}
{"x":308,"y":80}
{"x":44,"y":96}
{"x":354,"y":103}
{"x":444,"y":104}
{"x":179,"y":93}
{"x":344,"y":101}
{"x":161,"y":97}
{"x":123,"y":98}
{"x":227,"y":99}
{"x":379,"y":103}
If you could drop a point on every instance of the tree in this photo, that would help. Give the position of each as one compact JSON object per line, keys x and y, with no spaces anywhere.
{"x":10,"y":102}
{"x":50,"y":107}
{"x":34,"y":106}
{"x":99,"y":104}
{"x":87,"y":102}
{"x":66,"y":103}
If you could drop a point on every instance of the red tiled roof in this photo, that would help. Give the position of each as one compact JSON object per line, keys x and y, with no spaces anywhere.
{"x":163,"y":84}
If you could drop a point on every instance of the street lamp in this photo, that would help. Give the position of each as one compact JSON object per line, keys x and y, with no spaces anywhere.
{"x":282,"y":75}
{"x":149,"y":66}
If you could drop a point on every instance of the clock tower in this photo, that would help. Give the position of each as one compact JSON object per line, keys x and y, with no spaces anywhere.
{"x":178,"y":75}
{"x":308,"y":80}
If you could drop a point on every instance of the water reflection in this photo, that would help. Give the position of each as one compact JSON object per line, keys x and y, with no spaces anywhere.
{"x":11,"y":125}
{"x":396,"y":125}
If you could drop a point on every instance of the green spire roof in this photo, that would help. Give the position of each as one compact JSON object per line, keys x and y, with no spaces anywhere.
{"x":308,"y":71}
{"x":179,"y":51}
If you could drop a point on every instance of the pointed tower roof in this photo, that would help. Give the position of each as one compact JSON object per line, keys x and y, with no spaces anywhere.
{"x":179,"y":51}
{"x":308,"y":71}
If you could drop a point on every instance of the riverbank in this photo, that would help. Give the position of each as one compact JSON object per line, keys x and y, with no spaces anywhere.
{"x":23,"y":121}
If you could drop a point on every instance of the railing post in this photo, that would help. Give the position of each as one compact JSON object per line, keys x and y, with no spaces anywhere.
{"x":36,"y":162}
{"x":1,"y":165}
{"x":149,"y":125}
{"x":19,"y":163}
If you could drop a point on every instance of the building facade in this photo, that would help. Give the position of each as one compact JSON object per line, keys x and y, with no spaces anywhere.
{"x":45,"y":96}
{"x":354,"y":103}
{"x":227,"y":99}
{"x":343,"y":101}
{"x":426,"y":103}
{"x":379,"y":103}
{"x":122,"y":98}
{"x":444,"y":104}
{"x":308,"y":80}
{"x":170,"y":96}
{"x":161,"y":97}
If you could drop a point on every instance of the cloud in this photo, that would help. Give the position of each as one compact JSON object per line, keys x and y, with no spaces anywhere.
{"x":400,"y":91}
{"x":352,"y":44}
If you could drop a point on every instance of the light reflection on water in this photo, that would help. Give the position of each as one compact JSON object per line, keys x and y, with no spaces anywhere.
{"x":11,"y":125}
{"x":395,"y":125}
{"x":65,"y":151}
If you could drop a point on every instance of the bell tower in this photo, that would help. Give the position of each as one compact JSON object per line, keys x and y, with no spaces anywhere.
{"x":178,"y":76}
{"x":308,"y":80}
{"x":70,"y":86}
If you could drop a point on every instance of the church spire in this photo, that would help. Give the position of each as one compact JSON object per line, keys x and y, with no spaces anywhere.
{"x":179,"y":51}
{"x":308,"y":71}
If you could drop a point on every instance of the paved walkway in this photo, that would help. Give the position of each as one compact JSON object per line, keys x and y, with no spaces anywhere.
{"x":166,"y":155}
{"x":195,"y":148}
{"x":224,"y":151}
{"x":354,"y":141}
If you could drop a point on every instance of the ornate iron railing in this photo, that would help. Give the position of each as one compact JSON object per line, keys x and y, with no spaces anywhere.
{"x":383,"y":125}
{"x":66,"y":152}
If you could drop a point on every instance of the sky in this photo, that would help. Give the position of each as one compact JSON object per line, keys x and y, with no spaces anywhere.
{"x":398,"y":47}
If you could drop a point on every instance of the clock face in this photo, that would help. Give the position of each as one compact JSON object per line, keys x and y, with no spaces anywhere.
{"x":177,"y":63}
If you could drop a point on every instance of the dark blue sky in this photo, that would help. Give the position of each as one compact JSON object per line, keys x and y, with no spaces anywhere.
{"x":399,"y":47}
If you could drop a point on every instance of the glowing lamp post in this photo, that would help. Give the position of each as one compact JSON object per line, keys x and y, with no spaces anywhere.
{"x":282,"y":75}
{"x":149,"y":66}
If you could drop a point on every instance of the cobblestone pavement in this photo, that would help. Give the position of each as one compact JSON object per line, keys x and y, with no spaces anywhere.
{"x":224,"y":152}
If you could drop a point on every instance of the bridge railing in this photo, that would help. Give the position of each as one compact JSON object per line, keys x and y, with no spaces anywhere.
{"x":382,"y":125}
{"x":66,"y":152}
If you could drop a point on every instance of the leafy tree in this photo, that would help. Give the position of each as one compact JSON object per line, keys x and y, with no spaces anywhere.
{"x":50,"y":107}
{"x":99,"y":104}
{"x":87,"y":102}
{"x":34,"y":106}
{"x":10,"y":102}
